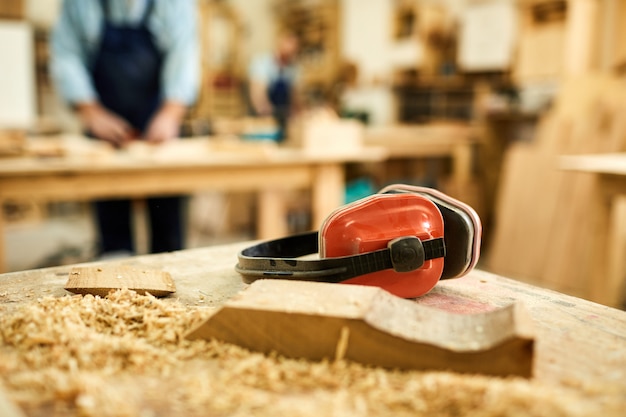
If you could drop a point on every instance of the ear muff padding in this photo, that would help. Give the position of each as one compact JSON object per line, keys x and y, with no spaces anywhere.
{"x":458,"y":235}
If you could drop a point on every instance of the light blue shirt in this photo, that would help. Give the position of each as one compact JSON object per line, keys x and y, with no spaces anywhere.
{"x":265,"y":69}
{"x":76,"y":36}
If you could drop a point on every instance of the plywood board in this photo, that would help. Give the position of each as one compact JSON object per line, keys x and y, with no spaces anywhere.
{"x":525,"y":210}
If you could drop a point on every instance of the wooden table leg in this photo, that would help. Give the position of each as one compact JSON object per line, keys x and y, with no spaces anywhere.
{"x":462,"y":165}
{"x":616,"y":253}
{"x":271,"y":214}
{"x":460,"y":184}
{"x":595,"y":285}
{"x":607,"y":282}
{"x":328,"y":192}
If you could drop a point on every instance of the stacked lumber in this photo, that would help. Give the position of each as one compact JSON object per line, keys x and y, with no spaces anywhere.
{"x":545,"y":221}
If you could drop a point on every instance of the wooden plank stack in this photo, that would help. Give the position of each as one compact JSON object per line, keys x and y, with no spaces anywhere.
{"x":545,"y":222}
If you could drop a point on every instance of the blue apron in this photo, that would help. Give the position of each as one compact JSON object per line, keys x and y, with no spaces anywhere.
{"x":279,"y":94}
{"x":126,"y":73}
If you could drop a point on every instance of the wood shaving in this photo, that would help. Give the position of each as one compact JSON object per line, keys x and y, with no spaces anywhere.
{"x":342,"y":343}
{"x":125,"y":355}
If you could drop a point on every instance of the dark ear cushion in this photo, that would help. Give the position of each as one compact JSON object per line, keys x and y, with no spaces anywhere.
{"x":458,"y":235}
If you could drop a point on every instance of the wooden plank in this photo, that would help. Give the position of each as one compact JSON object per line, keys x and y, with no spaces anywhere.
{"x":102,"y":280}
{"x":612,"y":164}
{"x":525,"y":209}
{"x":505,"y":240}
{"x":568,"y":266}
{"x":319,"y":321}
{"x":597,"y":127}
{"x":566,"y":256}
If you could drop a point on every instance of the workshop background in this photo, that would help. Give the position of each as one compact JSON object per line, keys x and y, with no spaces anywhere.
{"x":518,"y":83}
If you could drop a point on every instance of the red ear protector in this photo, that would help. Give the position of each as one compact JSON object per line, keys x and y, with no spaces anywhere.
{"x":403,"y":239}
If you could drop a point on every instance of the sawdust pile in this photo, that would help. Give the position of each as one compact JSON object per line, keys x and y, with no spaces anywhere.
{"x":125,"y":355}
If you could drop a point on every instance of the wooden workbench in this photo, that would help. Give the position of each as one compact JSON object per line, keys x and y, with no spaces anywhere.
{"x":85,"y":171}
{"x":406,"y":144}
{"x":608,"y":280}
{"x":580,"y":345}
{"x":428,"y":141}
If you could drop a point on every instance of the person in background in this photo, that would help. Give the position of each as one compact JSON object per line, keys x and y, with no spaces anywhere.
{"x":129,"y":68}
{"x":273,"y":80}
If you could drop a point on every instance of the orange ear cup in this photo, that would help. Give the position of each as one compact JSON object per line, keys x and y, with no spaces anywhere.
{"x":369,"y":224}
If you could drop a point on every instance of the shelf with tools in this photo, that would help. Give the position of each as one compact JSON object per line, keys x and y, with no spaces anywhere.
{"x":221,"y":82}
{"x":317,"y":25}
{"x":428,"y":102}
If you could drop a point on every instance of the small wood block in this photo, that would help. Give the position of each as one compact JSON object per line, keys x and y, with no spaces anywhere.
{"x":368,"y":325}
{"x":101,"y":280}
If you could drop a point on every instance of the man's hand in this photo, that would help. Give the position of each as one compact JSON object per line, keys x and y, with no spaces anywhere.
{"x":104,"y":124}
{"x":259,"y":99}
{"x":165,"y":124}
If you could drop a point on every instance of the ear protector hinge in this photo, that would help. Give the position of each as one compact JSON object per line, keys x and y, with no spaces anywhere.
{"x":407,"y":253}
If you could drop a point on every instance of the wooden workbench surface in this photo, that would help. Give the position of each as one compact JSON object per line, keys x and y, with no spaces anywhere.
{"x":72,"y":168}
{"x":76,"y":153}
{"x":578,"y":343}
{"x":577,"y":340}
